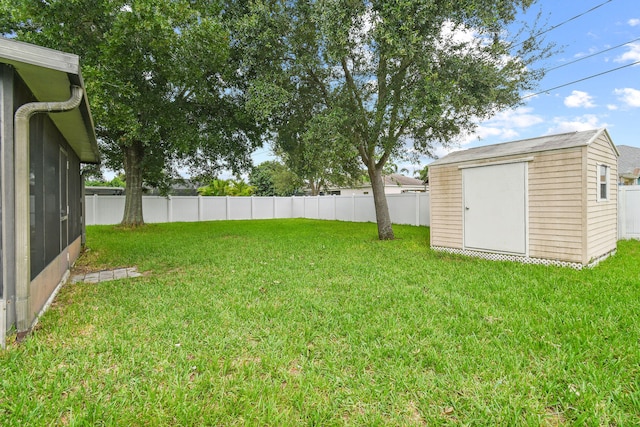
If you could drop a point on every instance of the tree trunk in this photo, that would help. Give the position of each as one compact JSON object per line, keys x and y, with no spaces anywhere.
{"x":313,"y":187}
{"x":385,"y":231}
{"x":133,"y":155}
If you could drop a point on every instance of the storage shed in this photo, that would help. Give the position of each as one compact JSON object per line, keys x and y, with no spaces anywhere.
{"x":46,"y":132}
{"x":547,"y":200}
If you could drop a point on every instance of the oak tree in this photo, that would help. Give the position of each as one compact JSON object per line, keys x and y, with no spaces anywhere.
{"x":395,"y":77}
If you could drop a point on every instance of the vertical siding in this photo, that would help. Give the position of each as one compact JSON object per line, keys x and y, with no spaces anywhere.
{"x":445,"y":187}
{"x":602,"y":216}
{"x":556,"y":216}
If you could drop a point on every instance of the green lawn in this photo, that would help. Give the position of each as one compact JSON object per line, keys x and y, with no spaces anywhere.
{"x":302,"y":322}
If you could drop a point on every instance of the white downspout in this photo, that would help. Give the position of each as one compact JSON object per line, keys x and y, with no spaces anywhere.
{"x":22,"y":212}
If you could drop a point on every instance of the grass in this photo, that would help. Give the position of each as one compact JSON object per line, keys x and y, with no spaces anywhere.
{"x":302,"y":322}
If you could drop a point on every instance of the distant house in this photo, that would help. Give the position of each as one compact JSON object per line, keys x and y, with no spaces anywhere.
{"x":103,"y":191}
{"x":393,"y":184}
{"x":46,"y":132}
{"x":629,"y":165}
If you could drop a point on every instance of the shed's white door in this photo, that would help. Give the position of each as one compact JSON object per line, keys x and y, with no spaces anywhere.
{"x":495,"y":199}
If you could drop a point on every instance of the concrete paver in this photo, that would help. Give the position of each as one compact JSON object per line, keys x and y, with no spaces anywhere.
{"x":106,"y":275}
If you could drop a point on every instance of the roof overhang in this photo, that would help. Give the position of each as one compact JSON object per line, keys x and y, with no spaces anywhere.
{"x":49,"y":75}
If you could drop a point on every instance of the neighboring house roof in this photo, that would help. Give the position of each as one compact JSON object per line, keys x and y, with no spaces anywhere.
{"x":49,"y":74}
{"x":401,"y":180}
{"x":629,"y":161}
{"x":525,"y":146}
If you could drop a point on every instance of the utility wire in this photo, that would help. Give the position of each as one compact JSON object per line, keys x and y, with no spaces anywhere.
{"x":566,"y":21}
{"x":592,"y":55}
{"x":573,"y":18}
{"x":580,"y":80}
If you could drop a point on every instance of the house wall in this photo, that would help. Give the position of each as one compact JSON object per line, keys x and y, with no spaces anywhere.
{"x":53,"y":248}
{"x":602,"y":216}
{"x":7,"y":267}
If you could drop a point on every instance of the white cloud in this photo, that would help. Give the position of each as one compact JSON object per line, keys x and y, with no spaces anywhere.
{"x":633,"y":22}
{"x":632,"y":55}
{"x":579,"y":99}
{"x":629,"y":96}
{"x":580,"y":123}
{"x":612,"y":107}
{"x":521,"y":117}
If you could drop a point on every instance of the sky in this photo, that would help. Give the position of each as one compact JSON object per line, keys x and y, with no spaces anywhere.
{"x":611,"y":100}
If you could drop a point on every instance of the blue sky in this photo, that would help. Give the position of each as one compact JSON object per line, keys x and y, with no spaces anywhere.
{"x":611,"y":100}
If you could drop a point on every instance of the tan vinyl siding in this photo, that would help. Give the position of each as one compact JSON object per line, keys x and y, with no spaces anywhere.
{"x":602,"y":225}
{"x":445,"y":187}
{"x":555,"y":205}
{"x":565,"y":219}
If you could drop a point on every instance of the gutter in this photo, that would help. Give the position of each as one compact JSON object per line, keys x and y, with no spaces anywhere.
{"x":22,"y":212}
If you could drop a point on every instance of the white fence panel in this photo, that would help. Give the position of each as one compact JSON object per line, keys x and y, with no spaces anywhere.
{"x":364,"y":209}
{"x":213,"y":208}
{"x":344,"y":208}
{"x":311,"y":207}
{"x":629,"y":212}
{"x":184,"y":209}
{"x":283,"y":207}
{"x":404,"y":208}
{"x":425,"y":213}
{"x":327,"y":207}
{"x":263,"y":208}
{"x":104,"y":210}
{"x":239,"y":207}
{"x":155,"y":209}
{"x":297,"y":207}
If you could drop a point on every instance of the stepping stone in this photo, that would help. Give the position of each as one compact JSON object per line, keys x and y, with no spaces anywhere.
{"x":106,"y":275}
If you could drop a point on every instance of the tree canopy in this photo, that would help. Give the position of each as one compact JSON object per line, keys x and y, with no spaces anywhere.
{"x":160,"y":79}
{"x":393,"y":78}
{"x":272,"y":178}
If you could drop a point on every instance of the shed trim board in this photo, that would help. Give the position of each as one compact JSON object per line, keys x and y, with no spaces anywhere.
{"x":501,"y":162}
{"x":553,"y":215}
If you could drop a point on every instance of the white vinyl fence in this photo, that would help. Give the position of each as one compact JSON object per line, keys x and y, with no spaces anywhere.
{"x":407,"y":208}
{"x":629,"y":212}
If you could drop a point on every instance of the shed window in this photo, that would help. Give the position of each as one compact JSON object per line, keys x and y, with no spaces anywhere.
{"x":603,"y":182}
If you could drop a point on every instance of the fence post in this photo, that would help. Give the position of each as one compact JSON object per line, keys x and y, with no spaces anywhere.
{"x":251,"y":207}
{"x":417,"y":209}
{"x":622,"y":212}
{"x":94,"y":202}
{"x":228,"y":208}
{"x":199,"y":208}
{"x":169,"y":209}
{"x":274,"y":207}
{"x":335,"y":209}
{"x":318,"y":207}
{"x":353,"y":207}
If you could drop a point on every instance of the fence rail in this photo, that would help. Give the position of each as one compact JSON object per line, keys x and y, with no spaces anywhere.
{"x":407,"y":208}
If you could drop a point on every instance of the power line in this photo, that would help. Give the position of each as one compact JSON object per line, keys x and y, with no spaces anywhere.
{"x":592,"y":55}
{"x":572,"y":18}
{"x":566,"y":21}
{"x":580,"y":80}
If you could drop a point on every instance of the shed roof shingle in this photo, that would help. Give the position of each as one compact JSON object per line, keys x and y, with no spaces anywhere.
{"x":525,"y":146}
